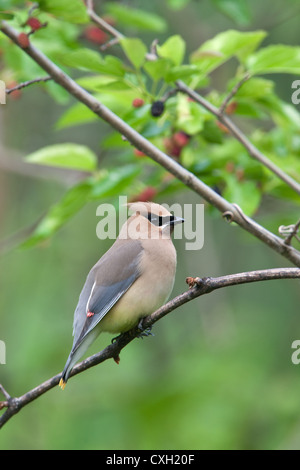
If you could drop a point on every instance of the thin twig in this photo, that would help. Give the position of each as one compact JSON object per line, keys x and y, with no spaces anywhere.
{"x":198,"y":287}
{"x":291,"y":232}
{"x":233,"y":92}
{"x":109,"y":44}
{"x":28,"y":83}
{"x":102,"y":23}
{"x":108,"y":28}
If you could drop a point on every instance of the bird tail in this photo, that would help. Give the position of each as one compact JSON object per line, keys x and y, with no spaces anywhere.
{"x":66,"y":372}
{"x":76,"y":353}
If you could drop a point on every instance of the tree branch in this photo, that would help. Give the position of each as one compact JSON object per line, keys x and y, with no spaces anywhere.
{"x":233,"y":92}
{"x":198,"y":287}
{"x":102,"y":23}
{"x":28,"y":83}
{"x":238,"y":134}
{"x":232,"y":211}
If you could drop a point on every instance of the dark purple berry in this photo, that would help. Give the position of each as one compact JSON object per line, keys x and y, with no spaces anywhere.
{"x":157,"y":108}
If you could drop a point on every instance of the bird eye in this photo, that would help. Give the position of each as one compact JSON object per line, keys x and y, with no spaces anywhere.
{"x":154,"y":219}
{"x":159,"y":220}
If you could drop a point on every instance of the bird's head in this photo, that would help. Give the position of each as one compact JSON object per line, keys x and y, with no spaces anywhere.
{"x":149,"y":220}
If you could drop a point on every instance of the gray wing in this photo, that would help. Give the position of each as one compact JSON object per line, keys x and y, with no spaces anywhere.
{"x":106,"y":283}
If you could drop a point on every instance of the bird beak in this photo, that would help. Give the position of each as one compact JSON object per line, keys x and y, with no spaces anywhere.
{"x":177,"y":220}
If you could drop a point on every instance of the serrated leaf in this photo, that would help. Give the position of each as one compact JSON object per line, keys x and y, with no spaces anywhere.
{"x":225,"y":45}
{"x":173,"y":49}
{"x":135,"y":50}
{"x":275,"y":59}
{"x":69,"y":10}
{"x":135,"y":18}
{"x":66,"y":155}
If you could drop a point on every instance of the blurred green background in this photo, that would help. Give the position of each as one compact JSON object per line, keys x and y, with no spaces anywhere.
{"x":218,"y":372}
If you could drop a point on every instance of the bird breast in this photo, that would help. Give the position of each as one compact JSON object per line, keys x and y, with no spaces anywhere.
{"x":151,"y":290}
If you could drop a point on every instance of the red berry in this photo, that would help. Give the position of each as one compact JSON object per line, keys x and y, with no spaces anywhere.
{"x":240,"y":173}
{"x":171,"y":147}
{"x":23,"y":40}
{"x":138,"y":102}
{"x":181,"y":139}
{"x":139,"y":153}
{"x":222,"y":127}
{"x":34,"y":23}
{"x":230,"y":167}
{"x":95,"y":35}
{"x":231,"y":108}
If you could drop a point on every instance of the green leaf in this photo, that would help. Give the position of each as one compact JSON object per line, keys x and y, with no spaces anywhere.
{"x":134,"y":18}
{"x":158,"y":68}
{"x":6,"y":15}
{"x":173,"y":48}
{"x":190,"y":116}
{"x":244,"y":193}
{"x":117,"y":101}
{"x":225,"y":45}
{"x":275,"y":59}
{"x":75,"y":115}
{"x":82,"y":59}
{"x":181,"y":72}
{"x":107,"y":183}
{"x":254,"y":88}
{"x":135,"y":50}
{"x":103,"y":82}
{"x":112,"y":182}
{"x":65,"y":155}
{"x":69,"y":10}
{"x":237,"y":10}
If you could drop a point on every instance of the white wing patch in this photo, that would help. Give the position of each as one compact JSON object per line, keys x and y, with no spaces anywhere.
{"x":88,"y":302}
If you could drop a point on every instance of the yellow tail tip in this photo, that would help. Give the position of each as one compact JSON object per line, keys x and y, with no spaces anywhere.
{"x":62,"y":384}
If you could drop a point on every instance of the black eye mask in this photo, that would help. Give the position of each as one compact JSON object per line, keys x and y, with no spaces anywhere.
{"x":159,"y":220}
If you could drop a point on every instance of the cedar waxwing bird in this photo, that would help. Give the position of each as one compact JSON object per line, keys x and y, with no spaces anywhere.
{"x":131,"y":280}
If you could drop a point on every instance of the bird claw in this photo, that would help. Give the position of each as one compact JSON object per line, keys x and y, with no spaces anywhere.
{"x":115,"y":338}
{"x":144,"y":331}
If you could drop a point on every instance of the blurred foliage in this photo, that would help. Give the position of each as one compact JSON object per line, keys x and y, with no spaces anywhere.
{"x":119,"y":79}
{"x":201,"y":384}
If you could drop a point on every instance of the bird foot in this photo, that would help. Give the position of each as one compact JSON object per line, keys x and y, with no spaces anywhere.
{"x":144,"y":331}
{"x":115,"y":338}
